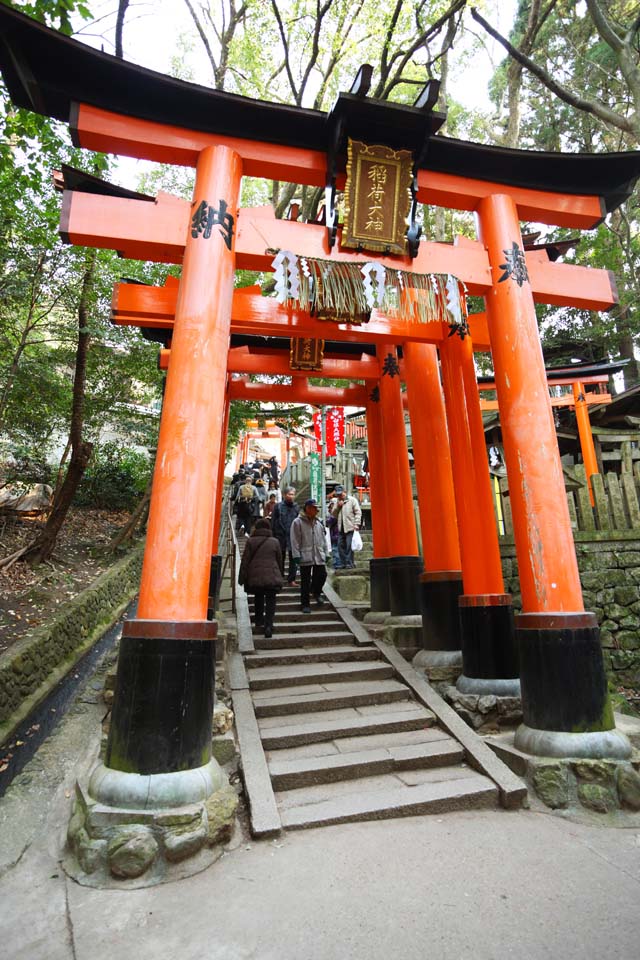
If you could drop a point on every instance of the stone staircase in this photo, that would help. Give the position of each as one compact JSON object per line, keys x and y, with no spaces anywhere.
{"x":338,"y":734}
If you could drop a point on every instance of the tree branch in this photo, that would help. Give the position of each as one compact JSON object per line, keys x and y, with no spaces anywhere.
{"x":593,"y":107}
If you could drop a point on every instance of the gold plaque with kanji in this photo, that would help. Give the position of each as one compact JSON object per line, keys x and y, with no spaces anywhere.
{"x":377,"y":198}
{"x":306,"y":353}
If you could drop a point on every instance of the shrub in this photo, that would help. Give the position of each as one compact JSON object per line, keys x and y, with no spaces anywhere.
{"x":115,"y":479}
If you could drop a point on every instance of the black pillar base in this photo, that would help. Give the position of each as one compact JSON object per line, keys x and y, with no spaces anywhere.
{"x":564,"y":686}
{"x":163,"y":707}
{"x":439,"y":593}
{"x":215,"y":573}
{"x":404,"y":585}
{"x":379,"y":584}
{"x":489,"y":649}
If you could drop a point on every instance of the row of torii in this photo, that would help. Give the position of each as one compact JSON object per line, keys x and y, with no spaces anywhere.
{"x":461,"y":554}
{"x":161,"y":720}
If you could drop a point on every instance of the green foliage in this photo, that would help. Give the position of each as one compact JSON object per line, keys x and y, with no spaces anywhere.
{"x":115,"y":479}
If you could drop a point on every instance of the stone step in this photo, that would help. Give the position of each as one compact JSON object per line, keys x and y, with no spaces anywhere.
{"x":265,"y":678}
{"x":279,"y":703}
{"x":295,"y":615}
{"x":337,"y":654}
{"x":378,"y":798}
{"x":291,"y":774}
{"x":386,"y":741}
{"x":303,"y":626}
{"x":295,"y":734}
{"x":285,"y":640}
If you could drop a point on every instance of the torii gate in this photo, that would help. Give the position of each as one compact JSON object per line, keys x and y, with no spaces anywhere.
{"x":120,"y":108}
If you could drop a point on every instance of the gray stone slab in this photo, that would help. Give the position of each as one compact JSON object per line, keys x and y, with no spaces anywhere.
{"x":337,"y":654}
{"x":436,"y":774}
{"x":263,"y":812}
{"x":346,"y":713}
{"x":236,"y":673}
{"x":326,"y":749}
{"x":373,"y":709}
{"x":263,"y":678}
{"x":398,"y":801}
{"x":295,"y":772}
{"x":295,"y":734}
{"x":319,"y":792}
{"x":393,"y":740}
{"x":259,"y":696}
{"x":288,"y":640}
{"x":347,"y":695}
{"x":479,"y":755}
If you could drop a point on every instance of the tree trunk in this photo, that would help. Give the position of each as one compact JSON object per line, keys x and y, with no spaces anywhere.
{"x":44,"y":544}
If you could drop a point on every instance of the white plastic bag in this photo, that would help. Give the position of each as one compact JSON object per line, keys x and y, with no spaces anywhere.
{"x":327,"y":540}
{"x":356,"y":541}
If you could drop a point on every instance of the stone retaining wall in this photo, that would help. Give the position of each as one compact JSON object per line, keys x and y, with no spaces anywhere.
{"x":32,"y":666}
{"x":609,"y":565}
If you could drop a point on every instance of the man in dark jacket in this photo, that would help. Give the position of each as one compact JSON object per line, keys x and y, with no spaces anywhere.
{"x":281,"y":519}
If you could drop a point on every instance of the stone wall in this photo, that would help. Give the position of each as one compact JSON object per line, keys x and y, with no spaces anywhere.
{"x":609,"y":564}
{"x":32,"y":666}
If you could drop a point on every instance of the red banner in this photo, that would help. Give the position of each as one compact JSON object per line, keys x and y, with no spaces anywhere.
{"x":334,"y":428}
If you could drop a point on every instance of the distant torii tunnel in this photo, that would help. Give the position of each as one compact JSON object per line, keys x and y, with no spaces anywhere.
{"x":403,"y":291}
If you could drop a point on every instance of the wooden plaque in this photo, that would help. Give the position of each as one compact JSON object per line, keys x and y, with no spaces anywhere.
{"x":306,"y":353}
{"x":377,"y":198}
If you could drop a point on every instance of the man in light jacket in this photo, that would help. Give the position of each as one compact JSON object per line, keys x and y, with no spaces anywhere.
{"x":309,"y":548}
{"x":349,"y":515}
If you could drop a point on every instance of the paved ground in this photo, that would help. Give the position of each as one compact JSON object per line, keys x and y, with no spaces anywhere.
{"x":486,"y":884}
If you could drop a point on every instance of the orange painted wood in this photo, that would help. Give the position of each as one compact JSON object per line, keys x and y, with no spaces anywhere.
{"x":108,"y":132}
{"x":156,"y":231}
{"x":590,"y":400}
{"x":133,"y":305}
{"x":586,"y":436}
{"x":278,"y":365}
{"x":175,"y":572}
{"x":402,"y":536}
{"x":381,"y":516}
{"x":219,"y":480}
{"x":477,"y":530}
{"x":300,"y":391}
{"x":463,"y":193}
{"x":542,"y":529}
{"x":432,"y":459}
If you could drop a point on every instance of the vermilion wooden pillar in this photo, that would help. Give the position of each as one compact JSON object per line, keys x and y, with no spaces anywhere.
{"x":163,"y":706}
{"x":564,"y":691}
{"x":486,"y":617}
{"x":402,"y":541}
{"x":586,"y":436}
{"x":441,"y":582}
{"x":218,"y":490}
{"x":379,"y":564}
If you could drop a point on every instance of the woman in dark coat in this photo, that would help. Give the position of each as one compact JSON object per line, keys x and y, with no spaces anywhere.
{"x":261,"y":575}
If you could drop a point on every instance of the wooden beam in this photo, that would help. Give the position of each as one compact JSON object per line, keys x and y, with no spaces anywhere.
{"x":462,"y":193}
{"x":106,"y":132}
{"x":135,"y":305}
{"x":157,"y":231}
{"x":276,"y":363}
{"x":299,"y":391}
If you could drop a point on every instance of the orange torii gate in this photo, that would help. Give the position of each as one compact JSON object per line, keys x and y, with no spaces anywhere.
{"x":120,"y":108}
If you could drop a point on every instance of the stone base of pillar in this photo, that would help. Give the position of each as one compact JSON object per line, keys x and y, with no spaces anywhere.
{"x":404,"y":633}
{"x":379,"y":580}
{"x":439,"y":594}
{"x":484,"y":687}
{"x":564,"y":687}
{"x":404,"y":586}
{"x":489,"y":655}
{"x":163,"y":706}
{"x":214,"y":585}
{"x":594,"y":745}
{"x":376,"y":616}
{"x":159,"y":799}
{"x":438,"y":666}
{"x":128,"y":831}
